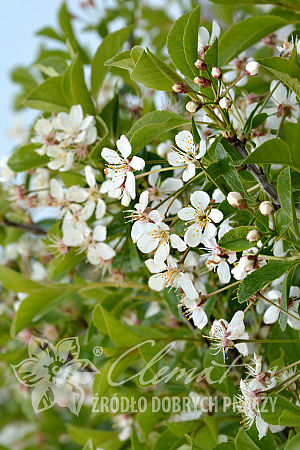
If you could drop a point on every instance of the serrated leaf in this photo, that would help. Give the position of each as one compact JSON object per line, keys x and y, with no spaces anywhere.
{"x":227,"y":170}
{"x":110,"y":45}
{"x":152,"y":125}
{"x":235,"y":239}
{"x":154,"y":73}
{"x":75,"y":89}
{"x":261,"y":277}
{"x":285,"y":294}
{"x":64,"y":18}
{"x":285,"y":193}
{"x":287,"y":71}
{"x":190,"y":39}
{"x":245,"y":33}
{"x":175,"y":46}
{"x":274,"y":151}
{"x":123,"y":60}
{"x":48,"y":96}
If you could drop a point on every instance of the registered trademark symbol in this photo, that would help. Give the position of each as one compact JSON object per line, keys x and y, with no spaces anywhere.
{"x":97,"y":351}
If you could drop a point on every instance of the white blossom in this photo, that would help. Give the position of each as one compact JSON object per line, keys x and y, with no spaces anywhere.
{"x":160,"y":190}
{"x":158,"y":238}
{"x":285,"y":105}
{"x":170,"y":275}
{"x":120,"y":170}
{"x":272,"y":313}
{"x":204,"y":39}
{"x":186,"y":154}
{"x":202,"y":216}
{"x":223,"y":334}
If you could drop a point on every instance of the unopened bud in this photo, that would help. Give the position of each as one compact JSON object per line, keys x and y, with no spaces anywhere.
{"x":179,"y":88}
{"x":193,"y":107}
{"x":225,"y":103}
{"x":252,"y":68}
{"x":266,"y":208}
{"x":237,"y":200}
{"x":200,"y":64}
{"x":216,"y":72}
{"x":202,"y":81}
{"x":253,"y":236}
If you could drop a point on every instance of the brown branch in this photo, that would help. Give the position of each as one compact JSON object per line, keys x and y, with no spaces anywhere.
{"x":256,"y":172}
{"x":30,"y":228}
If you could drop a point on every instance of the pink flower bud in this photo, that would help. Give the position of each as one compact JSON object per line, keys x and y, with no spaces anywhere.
{"x":225,"y":103}
{"x":253,"y":236}
{"x":179,"y":88}
{"x":200,"y":64}
{"x":266,"y":208}
{"x":202,"y":81}
{"x":237,"y":200}
{"x":252,"y":68}
{"x":216,"y":73}
{"x":193,"y":107}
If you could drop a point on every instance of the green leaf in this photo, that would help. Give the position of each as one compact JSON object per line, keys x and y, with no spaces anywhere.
{"x":285,"y":295}
{"x":26,"y":158}
{"x":235,"y":239}
{"x":101,"y":383}
{"x":281,"y":405}
{"x":75,"y":88}
{"x":173,"y":302}
{"x":218,"y":373}
{"x":64,"y":18}
{"x":245,"y":33}
{"x":227,"y":170}
{"x":261,"y":277}
{"x":48,"y":96}
{"x":287,"y":71}
{"x":176,"y":48}
{"x":290,"y":418}
{"x":81,"y":434}
{"x":243,"y":441}
{"x":274,"y":151}
{"x":22,"y":76}
{"x":195,"y":132}
{"x":190,"y":39}
{"x":120,"y":334}
{"x":16,"y":282}
{"x":32,"y":307}
{"x":123,"y":60}
{"x":285,"y":193}
{"x":110,"y":45}
{"x":152,"y":125}
{"x":154,"y":73}
{"x":294,"y":443}
{"x":60,"y":266}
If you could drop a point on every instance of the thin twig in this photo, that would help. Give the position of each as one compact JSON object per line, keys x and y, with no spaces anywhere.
{"x":256,"y":172}
{"x":30,"y":228}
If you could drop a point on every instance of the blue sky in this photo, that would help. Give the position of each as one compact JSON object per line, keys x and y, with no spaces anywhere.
{"x":20,"y":20}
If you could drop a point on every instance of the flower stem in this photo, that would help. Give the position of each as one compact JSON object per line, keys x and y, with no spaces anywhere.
{"x":262,"y":297}
{"x":163,"y":169}
{"x":221,"y":290}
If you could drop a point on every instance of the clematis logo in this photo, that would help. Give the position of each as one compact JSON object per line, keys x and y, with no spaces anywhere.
{"x":55,"y":374}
